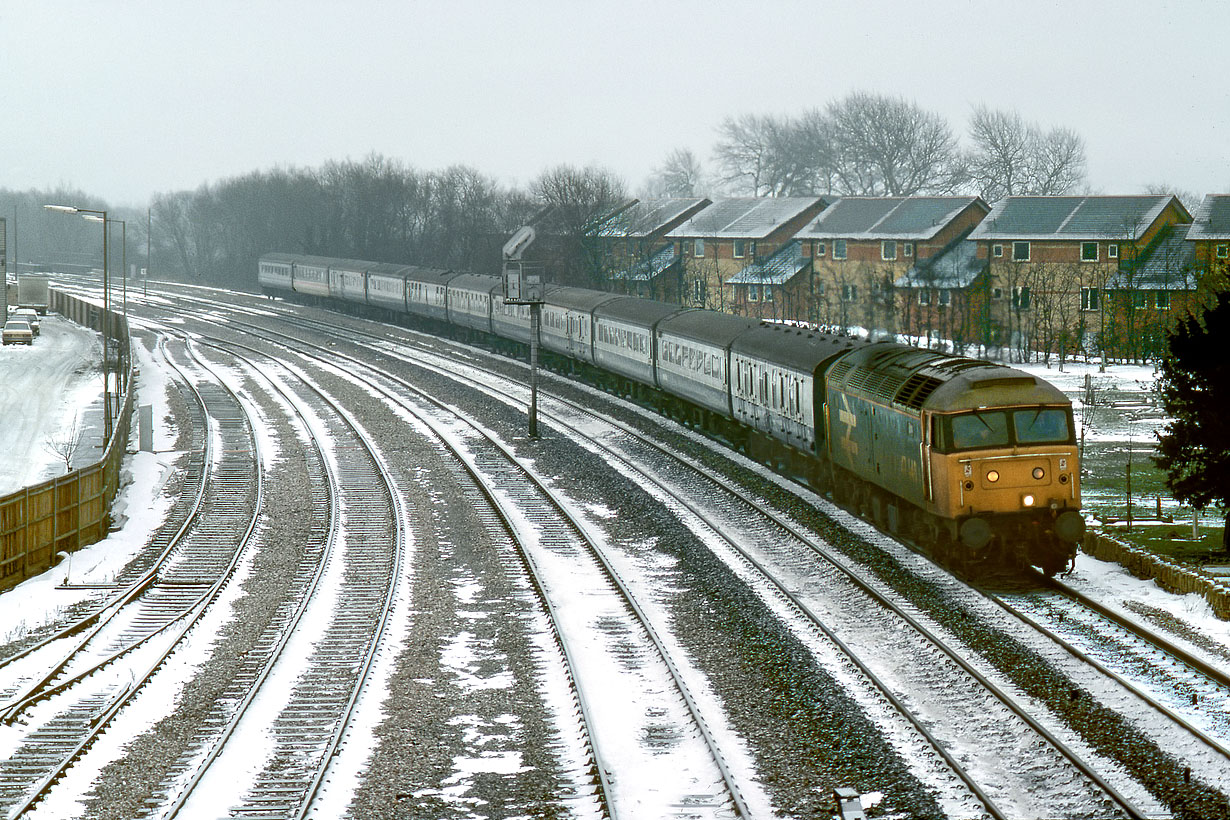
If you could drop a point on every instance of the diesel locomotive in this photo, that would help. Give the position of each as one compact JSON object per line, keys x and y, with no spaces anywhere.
{"x":973,"y":461}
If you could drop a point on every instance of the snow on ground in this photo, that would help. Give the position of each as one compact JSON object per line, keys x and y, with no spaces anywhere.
{"x":140,"y":506}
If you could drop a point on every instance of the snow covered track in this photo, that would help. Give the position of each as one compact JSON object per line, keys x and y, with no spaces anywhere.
{"x":65,"y":692}
{"x":315,"y":656}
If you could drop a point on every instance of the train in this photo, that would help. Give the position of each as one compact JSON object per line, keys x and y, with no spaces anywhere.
{"x":974,"y":462}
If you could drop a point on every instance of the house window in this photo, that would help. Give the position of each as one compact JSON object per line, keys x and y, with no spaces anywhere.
{"x":1020,"y":297}
{"x":1163,"y":300}
{"x":768,"y":293}
{"x":907,"y":249}
{"x":1020,"y":251}
{"x":820,"y":289}
{"x":924,"y":297}
{"x":1089,"y":251}
{"x":753,"y":293}
{"x":888,"y":250}
{"x":698,"y":247}
{"x":698,"y":290}
{"x":739,"y":248}
{"x":945,"y":297}
{"x":820,"y":250}
{"x":849,"y":293}
{"x":839,"y":249}
{"x":997,"y":251}
{"x":1112,"y":251}
{"x":1223,"y":251}
{"x":1139,"y":300}
{"x":997,"y":293}
{"x":1089,"y":298}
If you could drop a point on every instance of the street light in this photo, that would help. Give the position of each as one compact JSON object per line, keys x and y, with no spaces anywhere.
{"x":124,"y":267}
{"x":106,"y":317}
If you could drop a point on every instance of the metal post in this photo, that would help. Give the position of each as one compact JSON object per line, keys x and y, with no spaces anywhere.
{"x":535,"y":319}
{"x":106,"y":334}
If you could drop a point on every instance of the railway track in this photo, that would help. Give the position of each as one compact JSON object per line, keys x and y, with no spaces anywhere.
{"x":557,"y":549}
{"x":341,"y":599}
{"x":60,"y":699}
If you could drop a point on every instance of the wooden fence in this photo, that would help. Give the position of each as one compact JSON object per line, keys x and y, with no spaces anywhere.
{"x":72,"y":511}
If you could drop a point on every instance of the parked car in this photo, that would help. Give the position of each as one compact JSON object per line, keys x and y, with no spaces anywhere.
{"x":29,"y":316}
{"x":17,"y":332}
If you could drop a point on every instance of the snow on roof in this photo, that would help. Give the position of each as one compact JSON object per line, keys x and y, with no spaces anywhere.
{"x":778,"y":269}
{"x":745,"y":218}
{"x":1168,"y":265}
{"x":649,"y":216}
{"x":1211,"y":219}
{"x":956,"y":266}
{"x":888,"y":217}
{"x":1072,"y":217}
{"x":645,"y":270}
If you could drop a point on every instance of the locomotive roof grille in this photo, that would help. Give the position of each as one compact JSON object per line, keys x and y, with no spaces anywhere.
{"x":916,"y":390}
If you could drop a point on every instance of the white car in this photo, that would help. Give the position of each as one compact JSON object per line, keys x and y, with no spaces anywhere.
{"x":17,"y":332}
{"x":29,"y":316}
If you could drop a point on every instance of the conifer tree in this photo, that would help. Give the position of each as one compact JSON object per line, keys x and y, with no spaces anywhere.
{"x":1194,"y":447}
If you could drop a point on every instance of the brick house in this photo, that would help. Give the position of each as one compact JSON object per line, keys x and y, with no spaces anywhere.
{"x":633,"y":251}
{"x":1049,"y":260}
{"x":861,"y":247}
{"x":722,"y":239}
{"x":1147,"y":295}
{"x":1209,"y":236}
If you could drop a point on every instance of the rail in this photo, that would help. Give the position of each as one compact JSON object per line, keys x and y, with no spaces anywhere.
{"x":71,"y":511}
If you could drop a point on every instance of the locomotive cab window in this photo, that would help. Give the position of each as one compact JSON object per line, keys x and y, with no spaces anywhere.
{"x":1001,"y":428}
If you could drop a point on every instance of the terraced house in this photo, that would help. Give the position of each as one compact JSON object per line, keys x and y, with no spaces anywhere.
{"x":720,"y":241}
{"x":876,"y":260}
{"x":1049,"y":261}
{"x":630,"y":245}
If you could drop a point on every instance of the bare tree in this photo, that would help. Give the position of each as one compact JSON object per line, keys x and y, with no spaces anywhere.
{"x":890,"y":146}
{"x":65,"y":444}
{"x":680,"y":175}
{"x":744,"y":151}
{"x":1013,"y":157}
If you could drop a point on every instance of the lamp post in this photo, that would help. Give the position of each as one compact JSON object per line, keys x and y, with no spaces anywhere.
{"x":106,"y":316}
{"x":124,"y":268}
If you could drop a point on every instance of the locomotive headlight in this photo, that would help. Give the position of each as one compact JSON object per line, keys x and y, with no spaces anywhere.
{"x":1027,"y":500}
{"x":1039,"y":473}
{"x":993,"y":476}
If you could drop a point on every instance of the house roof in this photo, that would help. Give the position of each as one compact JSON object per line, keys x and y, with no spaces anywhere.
{"x":890,"y":217}
{"x":644,"y":270}
{"x":745,"y":218}
{"x":1211,"y":219}
{"x":778,"y":269}
{"x":1073,"y":217}
{"x":956,"y":266}
{"x":1169,"y":264}
{"x":646,"y":217}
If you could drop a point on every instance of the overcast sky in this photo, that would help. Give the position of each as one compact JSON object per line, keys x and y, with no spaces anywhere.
{"x":123,"y":100}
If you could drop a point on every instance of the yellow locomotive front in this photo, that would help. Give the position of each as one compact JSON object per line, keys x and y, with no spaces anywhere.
{"x":1006,"y":472}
